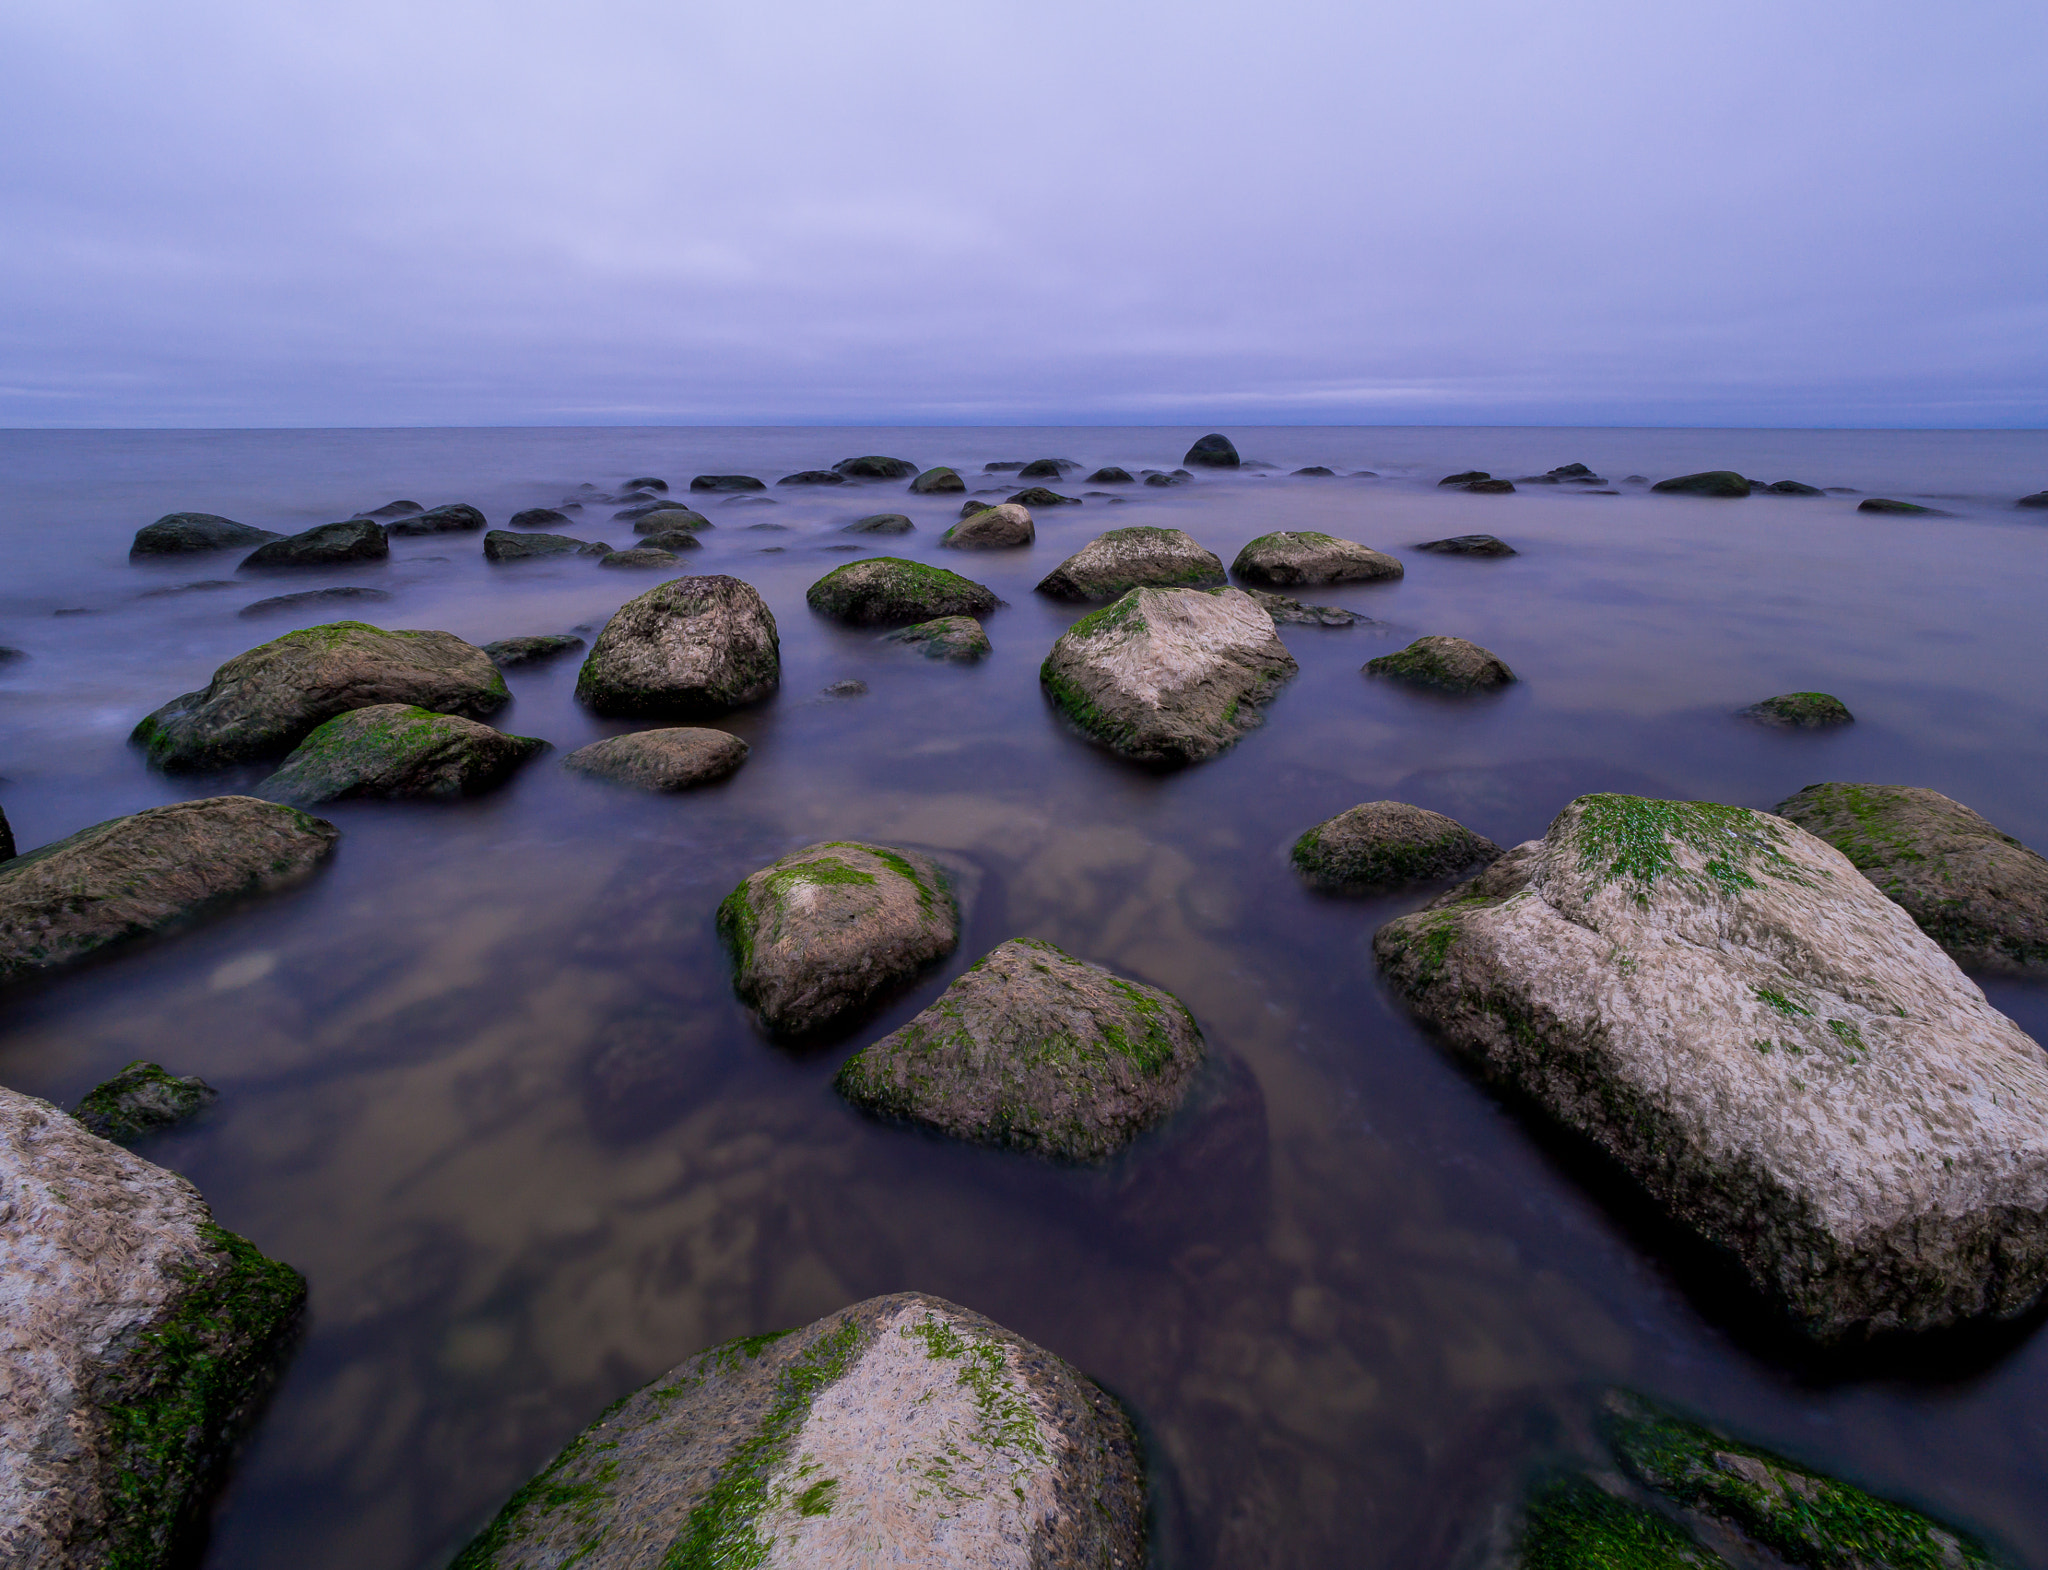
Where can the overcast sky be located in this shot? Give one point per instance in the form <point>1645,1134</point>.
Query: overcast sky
<point>400,212</point>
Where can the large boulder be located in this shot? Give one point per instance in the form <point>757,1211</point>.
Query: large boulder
<point>884,589</point>
<point>1037,1050</point>
<point>687,647</point>
<point>1721,1003</point>
<point>960,639</point>
<point>263,702</point>
<point>1168,676</point>
<point>1140,557</point>
<point>143,1098</point>
<point>1213,451</point>
<point>1710,482</point>
<point>1448,664</point>
<point>825,931</point>
<point>453,518</point>
<point>1974,889</point>
<point>393,750</point>
<point>1292,557</point>
<point>146,872</point>
<point>874,467</point>
<point>328,545</point>
<point>904,1430</point>
<point>1385,844</point>
<point>502,545</point>
<point>679,757</point>
<point>187,533</point>
<point>938,482</point>
<point>140,1337</point>
<point>1000,528</point>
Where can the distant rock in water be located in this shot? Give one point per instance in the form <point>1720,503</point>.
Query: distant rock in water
<point>671,542</point>
<point>1710,482</point>
<point>1385,845</point>
<point>508,653</point>
<point>455,518</point>
<point>186,533</point>
<point>876,468</point>
<point>329,545</point>
<point>502,545</point>
<point>1465,477</point>
<point>1039,496</point>
<point>813,477</point>
<point>959,639</point>
<point>880,523</point>
<point>397,509</point>
<point>1800,711</point>
<point>646,482</point>
<point>642,557</point>
<point>679,758</point>
<point>1160,479</point>
<point>1111,475</point>
<point>537,518</point>
<point>1292,613</point>
<point>1003,466</point>
<point>1315,471</point>
<point>1451,664</point>
<point>885,589</point>
<point>1213,451</point>
<point>938,482</point>
<point>394,750</point>
<point>309,598</point>
<point>845,689</point>
<point>688,647</point>
<point>1047,469</point>
<point>1468,545</point>
<point>1489,487</point>
<point>671,519</point>
<point>1289,558</point>
<point>1887,505</point>
<point>1793,488</point>
<point>2038,499</point>
<point>726,482</point>
<point>1000,528</point>
<point>142,1099</point>
<point>1123,559</point>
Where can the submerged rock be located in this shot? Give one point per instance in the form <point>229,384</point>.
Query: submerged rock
<point>2038,499</point>
<point>726,482</point>
<point>1292,613</point>
<point>1572,1523</point>
<point>1793,488</point>
<point>646,482</point>
<point>1047,469</point>
<point>1489,487</point>
<point>397,509</point>
<point>886,589</point>
<point>956,638</point>
<point>671,520</point>
<point>1451,664</point>
<point>679,758</point>
<point>263,702</point>
<point>1975,890</point>
<point>1213,451</point>
<point>1385,844</point>
<point>1885,504</point>
<point>307,598</point>
<point>1039,496</point>
<point>641,557</point>
<point>141,1099</point>
<point>827,930</point>
<point>880,523</point>
<point>874,467</point>
<point>1036,1050</point>
<point>1710,482</point>
<point>1465,477</point>
<point>509,652</point>
<point>1169,676</point>
<point>391,750</point>
<point>501,545</point>
<point>1162,479</point>
<point>687,647</point>
<point>848,688</point>
<point>1468,545</point>
<point>141,1338</point>
<point>1799,711</point>
<point>1000,528</point>
<point>1315,471</point>
<point>186,533</point>
<point>1124,559</point>
<point>537,518</point>
<point>938,482</point>
<point>904,1430</point>
<point>1110,474</point>
<point>146,872</point>
<point>813,477</point>
<point>1782,1059</point>
<point>672,544</point>
<point>454,518</point>
<point>1288,558</point>
<point>353,539</point>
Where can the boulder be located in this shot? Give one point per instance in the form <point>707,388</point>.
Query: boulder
<point>1168,676</point>
<point>1569,1522</point>
<point>509,652</point>
<point>1158,477</point>
<point>1711,482</point>
<point>146,872</point>
<point>671,542</point>
<point>956,638</point>
<point>1290,557</point>
<point>353,539</point>
<point>1799,711</point>
<point>1039,496</point>
<point>185,533</point>
<point>678,758</point>
<point>1111,475</point>
<point>813,477</point>
<point>141,1099</point>
<point>938,482</point>
<point>1047,469</point>
<point>1975,890</point>
<point>1003,466</point>
<point>641,557</point>
<point>1783,1060</point>
<point>1468,545</point>
<point>141,1337</point>
<point>646,482</point>
<point>395,750</point>
<point>1315,471</point>
<point>1213,451</point>
<point>886,589</point>
<point>2038,499</point>
<point>308,599</point>
<point>1793,488</point>
<point>670,520</point>
<point>397,509</point>
<point>726,482</point>
<point>1292,613</point>
<point>1489,487</point>
<point>691,646</point>
<point>454,518</point>
<point>1451,664</point>
<point>1000,528</point>
<point>1035,1050</point>
<point>876,468</point>
<point>904,1430</point>
<point>880,523</point>
<point>1465,477</point>
<point>1386,844</point>
<point>502,545</point>
<point>538,518</point>
<point>821,934</point>
<point>1884,504</point>
<point>263,702</point>
<point>1124,559</point>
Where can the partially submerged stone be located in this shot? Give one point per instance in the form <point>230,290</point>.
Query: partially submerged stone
<point>1709,482</point>
<point>1450,664</point>
<point>904,1430</point>
<point>1789,1066</point>
<point>1110,474</point>
<point>1124,559</point>
<point>1886,504</point>
<point>1047,469</point>
<point>813,477</point>
<point>1572,1523</point>
<point>938,482</point>
<point>679,757</point>
<point>880,523</point>
<point>507,653</point>
<point>641,558</point>
<point>187,533</point>
<point>328,545</point>
<point>1793,488</point>
<point>146,872</point>
<point>1291,557</point>
<point>1800,711</point>
<point>306,599</point>
<point>1213,451</point>
<point>2038,499</point>
<point>1036,1050</point>
<point>140,1338</point>
<point>687,647</point>
<point>143,1098</point>
<point>1468,545</point>
<point>402,508</point>
<point>960,639</point>
<point>671,544</point>
<point>1465,477</point>
<point>885,589</point>
<point>1004,527</point>
<point>1170,676</point>
<point>263,702</point>
<point>726,482</point>
<point>453,518</point>
<point>669,519</point>
<point>1975,890</point>
<point>1489,487</point>
<point>393,750</point>
<point>827,930</point>
<point>1039,496</point>
<point>502,545</point>
<point>537,518</point>
<point>875,467</point>
<point>1385,844</point>
<point>1292,613</point>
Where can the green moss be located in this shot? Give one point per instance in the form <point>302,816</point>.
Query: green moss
<point>1121,613</point>
<point>1003,1422</point>
<point>140,1099</point>
<point>1572,1524</point>
<point>1631,837</point>
<point>1847,1033</point>
<point>1069,698</point>
<point>1807,710</point>
<point>1781,1003</point>
<point>738,922</point>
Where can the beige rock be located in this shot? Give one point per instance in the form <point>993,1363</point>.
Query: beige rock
<point>1006,526</point>
<point>676,758</point>
<point>1124,559</point>
<point>1289,558</point>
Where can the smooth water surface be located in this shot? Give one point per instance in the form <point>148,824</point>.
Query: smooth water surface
<point>485,1083</point>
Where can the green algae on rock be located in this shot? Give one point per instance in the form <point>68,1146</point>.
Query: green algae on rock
<point>502,545</point>
<point>507,653</point>
<point>901,1430</point>
<point>960,639</point>
<point>1571,1523</point>
<point>397,750</point>
<point>141,1099</point>
<point>1139,557</point>
<point>688,647</point>
<point>1293,557</point>
<point>678,758</point>
<point>1800,711</point>
<point>1036,1050</point>
<point>1709,482</point>
<point>1384,844</point>
<point>884,589</point>
<point>1451,664</point>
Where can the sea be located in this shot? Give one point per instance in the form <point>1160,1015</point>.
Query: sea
<point>485,1082</point>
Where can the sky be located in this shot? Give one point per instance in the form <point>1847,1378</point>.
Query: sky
<point>622,212</point>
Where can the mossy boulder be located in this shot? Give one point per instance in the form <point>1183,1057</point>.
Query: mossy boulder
<point>1292,557</point>
<point>880,523</point>
<point>1001,528</point>
<point>1036,1050</point>
<point>502,545</point>
<point>885,589</point>
<point>142,1338</point>
<point>727,482</point>
<point>1213,451</point>
<point>141,1099</point>
<point>328,545</point>
<point>1885,504</point>
<point>1709,482</point>
<point>1467,545</point>
<point>508,653</point>
<point>1386,844</point>
<point>1114,563</point>
<point>688,647</point>
<point>1788,1066</point>
<point>938,482</point>
<point>876,467</point>
<point>1793,488</point>
<point>1572,1523</point>
<point>188,533</point>
<point>453,518</point>
<point>1168,676</point>
<point>262,702</point>
<point>1447,664</point>
<point>959,639</point>
<point>821,934</point>
<point>680,757</point>
<point>394,750</point>
<point>1974,889</point>
<point>147,872</point>
<point>1800,711</point>
<point>670,519</point>
<point>672,544</point>
<point>904,1430</point>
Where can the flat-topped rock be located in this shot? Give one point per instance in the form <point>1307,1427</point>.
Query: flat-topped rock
<point>1213,451</point>
<point>143,1098</point>
<point>813,477</point>
<point>688,647</point>
<point>188,533</point>
<point>1004,527</point>
<point>885,589</point>
<point>938,482</point>
<point>1709,482</point>
<point>727,482</point>
<point>502,545</point>
<point>508,653</point>
<point>1114,563</point>
<point>1885,504</point>
<point>1467,545</point>
<point>960,639</point>
<point>1785,1062</point>
<point>1291,557</point>
<point>680,757</point>
<point>1385,845</point>
<point>1448,664</point>
<point>328,545</point>
<point>875,467</point>
<point>1800,711</point>
<point>454,518</point>
<point>396,750</point>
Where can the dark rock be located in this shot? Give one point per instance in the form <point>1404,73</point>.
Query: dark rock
<point>876,468</point>
<point>938,482</point>
<point>394,750</point>
<point>203,586</point>
<point>1213,451</point>
<point>1111,475</point>
<point>1887,505</point>
<point>1316,471</point>
<point>634,512</point>
<point>671,519</point>
<point>1364,474</point>
<point>1035,1050</point>
<point>813,477</point>
<point>1289,558</point>
<point>880,523</point>
<point>1468,545</point>
<point>509,652</point>
<point>1841,490</point>
<point>7,838</point>
<point>76,610</point>
<point>642,556</point>
<point>674,540</point>
<point>1465,477</point>
<point>886,589</point>
<point>502,545</point>
<point>1161,479</point>
<point>311,597</point>
<point>646,482</point>
<point>537,518</point>
<point>183,533</point>
<point>455,518</point>
<point>397,509</point>
<point>1047,469</point>
<point>1800,711</point>
<point>355,539</point>
<point>959,639</point>
<point>1385,845</point>
<point>1007,466</point>
<point>844,689</point>
<point>1794,488</point>
<point>1489,487</point>
<point>679,758</point>
<point>767,528</point>
<point>726,482</point>
<point>1448,663</point>
<point>1292,613</point>
<point>141,1099</point>
<point>2038,499</point>
<point>1039,496</point>
<point>691,646</point>
<point>1575,471</point>
<point>1711,482</point>
<point>1125,559</point>
<point>1007,527</point>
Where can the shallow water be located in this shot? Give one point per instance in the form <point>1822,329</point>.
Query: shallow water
<point>485,1083</point>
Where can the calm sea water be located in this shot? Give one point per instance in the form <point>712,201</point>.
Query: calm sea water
<point>484,1081</point>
